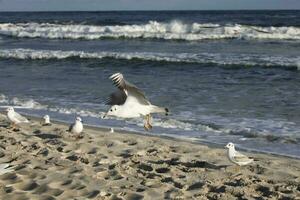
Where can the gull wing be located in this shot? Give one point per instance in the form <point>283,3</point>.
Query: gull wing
<point>241,157</point>
<point>117,98</point>
<point>71,127</point>
<point>20,118</point>
<point>129,89</point>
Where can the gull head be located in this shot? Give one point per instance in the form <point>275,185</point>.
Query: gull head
<point>229,145</point>
<point>78,119</point>
<point>10,109</point>
<point>113,111</point>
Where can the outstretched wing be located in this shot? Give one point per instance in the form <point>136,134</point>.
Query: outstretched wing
<point>129,89</point>
<point>20,118</point>
<point>116,98</point>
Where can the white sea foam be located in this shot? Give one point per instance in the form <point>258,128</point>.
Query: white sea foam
<point>174,30</point>
<point>298,65</point>
<point>21,103</point>
<point>221,59</point>
<point>248,128</point>
<point>3,99</point>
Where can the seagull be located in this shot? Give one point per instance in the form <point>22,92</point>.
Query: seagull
<point>130,102</point>
<point>15,117</point>
<point>47,120</point>
<point>77,126</point>
<point>236,157</point>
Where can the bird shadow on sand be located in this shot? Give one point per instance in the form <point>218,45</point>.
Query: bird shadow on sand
<point>4,125</point>
<point>47,136</point>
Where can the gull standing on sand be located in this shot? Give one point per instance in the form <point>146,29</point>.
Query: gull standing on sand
<point>77,126</point>
<point>236,157</point>
<point>15,117</point>
<point>47,120</point>
<point>130,102</point>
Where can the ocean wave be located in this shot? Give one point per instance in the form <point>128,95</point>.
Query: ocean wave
<point>21,103</point>
<point>174,30</point>
<point>201,58</point>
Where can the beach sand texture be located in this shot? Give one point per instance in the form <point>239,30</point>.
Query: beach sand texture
<point>50,163</point>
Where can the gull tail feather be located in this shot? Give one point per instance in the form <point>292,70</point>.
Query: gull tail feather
<point>157,109</point>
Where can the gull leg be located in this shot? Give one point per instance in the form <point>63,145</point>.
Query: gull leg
<point>12,126</point>
<point>237,168</point>
<point>149,121</point>
<point>146,124</point>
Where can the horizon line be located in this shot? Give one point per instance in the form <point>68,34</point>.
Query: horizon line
<point>149,10</point>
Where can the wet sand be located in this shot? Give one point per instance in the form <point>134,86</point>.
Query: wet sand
<point>50,163</point>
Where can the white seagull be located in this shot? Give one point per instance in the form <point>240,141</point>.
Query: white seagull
<point>130,102</point>
<point>77,126</point>
<point>15,117</point>
<point>236,157</point>
<point>47,120</point>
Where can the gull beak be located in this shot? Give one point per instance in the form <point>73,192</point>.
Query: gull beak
<point>104,116</point>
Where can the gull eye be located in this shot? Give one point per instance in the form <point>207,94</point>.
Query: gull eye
<point>111,110</point>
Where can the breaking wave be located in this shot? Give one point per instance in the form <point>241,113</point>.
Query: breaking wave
<point>174,30</point>
<point>216,58</point>
<point>21,103</point>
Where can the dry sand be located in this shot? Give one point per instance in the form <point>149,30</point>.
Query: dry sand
<point>51,163</point>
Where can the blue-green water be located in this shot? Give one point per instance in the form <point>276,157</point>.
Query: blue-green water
<point>227,76</point>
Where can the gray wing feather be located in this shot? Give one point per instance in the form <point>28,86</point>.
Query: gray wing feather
<point>129,88</point>
<point>71,127</point>
<point>116,98</point>
<point>241,157</point>
<point>20,117</point>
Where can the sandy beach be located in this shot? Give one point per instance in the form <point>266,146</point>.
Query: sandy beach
<point>50,163</point>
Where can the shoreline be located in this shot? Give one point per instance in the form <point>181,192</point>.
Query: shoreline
<point>50,163</point>
<point>194,141</point>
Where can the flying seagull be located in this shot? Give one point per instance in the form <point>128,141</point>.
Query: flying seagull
<point>15,117</point>
<point>130,102</point>
<point>236,157</point>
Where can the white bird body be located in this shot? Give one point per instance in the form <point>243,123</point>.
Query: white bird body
<point>236,157</point>
<point>136,109</point>
<point>15,117</point>
<point>77,127</point>
<point>47,120</point>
